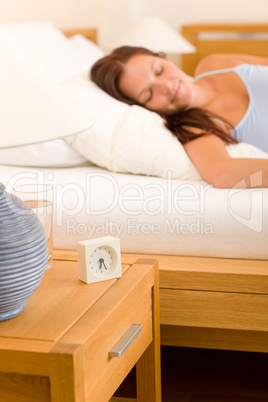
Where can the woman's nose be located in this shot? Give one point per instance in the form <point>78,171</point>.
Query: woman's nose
<point>169,88</point>
<point>164,85</point>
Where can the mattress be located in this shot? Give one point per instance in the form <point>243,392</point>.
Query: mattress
<point>151,214</point>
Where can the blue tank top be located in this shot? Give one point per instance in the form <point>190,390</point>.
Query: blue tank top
<point>253,127</point>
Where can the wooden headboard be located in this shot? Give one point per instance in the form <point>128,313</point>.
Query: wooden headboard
<point>89,33</point>
<point>223,38</point>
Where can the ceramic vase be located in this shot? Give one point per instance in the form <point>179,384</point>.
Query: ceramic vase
<point>23,254</point>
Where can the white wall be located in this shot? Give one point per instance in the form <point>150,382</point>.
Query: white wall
<point>178,12</point>
<point>112,16</point>
<point>63,13</point>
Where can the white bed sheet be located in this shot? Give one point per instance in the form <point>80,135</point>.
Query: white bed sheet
<point>152,215</point>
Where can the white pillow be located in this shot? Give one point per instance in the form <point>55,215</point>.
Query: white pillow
<point>33,107</point>
<point>88,51</point>
<point>243,150</point>
<point>48,48</point>
<point>107,111</point>
<point>38,55</point>
<point>56,153</point>
<point>126,138</point>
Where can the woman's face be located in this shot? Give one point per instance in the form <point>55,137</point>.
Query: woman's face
<point>156,84</point>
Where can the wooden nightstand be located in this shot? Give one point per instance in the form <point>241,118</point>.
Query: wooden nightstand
<point>58,348</point>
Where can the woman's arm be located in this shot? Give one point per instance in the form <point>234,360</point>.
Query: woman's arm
<point>221,61</point>
<point>209,155</point>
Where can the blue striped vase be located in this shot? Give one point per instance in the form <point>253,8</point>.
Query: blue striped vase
<point>23,254</point>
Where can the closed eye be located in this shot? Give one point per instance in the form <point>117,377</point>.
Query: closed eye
<point>150,97</point>
<point>146,96</point>
<point>159,71</point>
<point>156,69</point>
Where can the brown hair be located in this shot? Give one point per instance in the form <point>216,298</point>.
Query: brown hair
<point>106,73</point>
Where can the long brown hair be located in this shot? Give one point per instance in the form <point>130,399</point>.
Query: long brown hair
<point>106,73</point>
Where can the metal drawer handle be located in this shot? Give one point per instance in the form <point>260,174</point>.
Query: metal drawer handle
<point>121,346</point>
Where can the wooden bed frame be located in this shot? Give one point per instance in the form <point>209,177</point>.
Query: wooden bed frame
<point>223,38</point>
<point>215,303</point>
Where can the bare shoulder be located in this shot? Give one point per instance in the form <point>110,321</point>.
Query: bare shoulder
<point>222,61</point>
<point>216,62</point>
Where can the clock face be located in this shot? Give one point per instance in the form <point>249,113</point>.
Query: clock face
<point>101,261</point>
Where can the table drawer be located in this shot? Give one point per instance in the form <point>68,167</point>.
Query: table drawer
<point>129,303</point>
<point>108,372</point>
<point>226,310</point>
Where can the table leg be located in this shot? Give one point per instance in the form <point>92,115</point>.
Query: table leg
<point>148,367</point>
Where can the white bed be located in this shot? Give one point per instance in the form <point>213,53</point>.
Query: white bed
<point>128,176</point>
<point>152,215</point>
<point>158,203</point>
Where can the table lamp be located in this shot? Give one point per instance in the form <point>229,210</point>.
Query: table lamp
<point>155,35</point>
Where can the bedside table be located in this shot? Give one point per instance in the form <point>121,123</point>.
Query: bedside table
<point>61,348</point>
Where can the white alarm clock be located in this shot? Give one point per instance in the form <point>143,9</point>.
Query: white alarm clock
<point>99,259</point>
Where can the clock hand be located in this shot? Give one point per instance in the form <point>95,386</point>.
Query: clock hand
<point>105,265</point>
<point>101,260</point>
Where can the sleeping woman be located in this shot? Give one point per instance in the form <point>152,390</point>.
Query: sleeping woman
<point>226,103</point>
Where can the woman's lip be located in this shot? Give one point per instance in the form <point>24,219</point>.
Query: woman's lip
<point>176,94</point>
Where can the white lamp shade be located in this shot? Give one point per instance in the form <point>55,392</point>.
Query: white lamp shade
<point>155,35</point>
